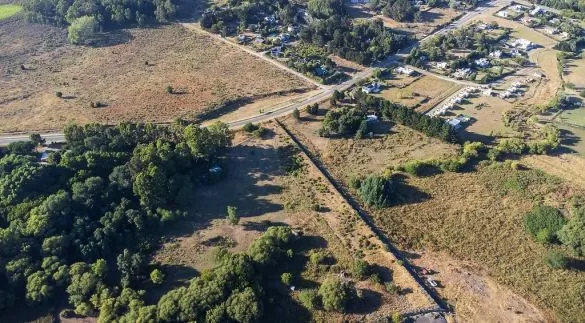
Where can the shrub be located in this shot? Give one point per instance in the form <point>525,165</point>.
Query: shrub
<point>82,30</point>
<point>286,278</point>
<point>249,127</point>
<point>362,131</point>
<point>543,223</point>
<point>392,288</point>
<point>169,89</point>
<point>556,260</point>
<point>59,94</point>
<point>396,318</point>
<point>376,191</point>
<point>573,233</point>
<point>232,215</point>
<point>318,257</point>
<point>157,276</point>
<point>296,114</point>
<point>335,294</point>
<point>309,298</point>
<point>413,167</point>
<point>355,182</point>
<point>312,109</point>
<point>258,133</point>
<point>582,94</point>
<point>361,268</point>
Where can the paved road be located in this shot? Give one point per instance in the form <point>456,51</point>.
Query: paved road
<point>326,91</point>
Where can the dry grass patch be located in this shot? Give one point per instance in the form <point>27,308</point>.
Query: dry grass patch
<point>421,93</point>
<point>129,79</point>
<point>479,217</point>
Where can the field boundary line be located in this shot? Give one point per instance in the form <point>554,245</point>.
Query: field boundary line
<point>429,293</point>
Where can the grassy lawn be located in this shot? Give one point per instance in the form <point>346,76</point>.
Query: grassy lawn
<point>9,10</point>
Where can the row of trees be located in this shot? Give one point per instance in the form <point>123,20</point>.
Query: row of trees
<point>84,223</point>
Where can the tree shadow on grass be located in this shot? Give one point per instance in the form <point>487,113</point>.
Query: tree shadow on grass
<point>261,226</point>
<point>369,302</point>
<point>407,194</point>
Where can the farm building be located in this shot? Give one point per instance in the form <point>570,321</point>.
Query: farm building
<point>404,70</point>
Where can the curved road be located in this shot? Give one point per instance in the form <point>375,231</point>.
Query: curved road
<point>326,91</point>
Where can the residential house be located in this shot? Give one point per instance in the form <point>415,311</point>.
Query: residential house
<point>482,62</point>
<point>503,14</point>
<point>442,65</point>
<point>404,70</point>
<point>373,87</point>
<point>522,44</point>
<point>496,54</point>
<point>537,11</point>
<point>462,73</point>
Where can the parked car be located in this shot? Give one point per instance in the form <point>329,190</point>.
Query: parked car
<point>432,282</point>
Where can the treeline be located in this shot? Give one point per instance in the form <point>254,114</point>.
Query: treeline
<point>571,5</point>
<point>351,121</point>
<point>83,223</point>
<point>363,43</point>
<point>432,127</point>
<point>108,13</point>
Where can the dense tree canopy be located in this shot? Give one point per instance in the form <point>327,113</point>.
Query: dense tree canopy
<point>107,13</point>
<point>88,218</point>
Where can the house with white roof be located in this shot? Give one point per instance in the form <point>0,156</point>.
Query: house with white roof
<point>404,70</point>
<point>482,62</point>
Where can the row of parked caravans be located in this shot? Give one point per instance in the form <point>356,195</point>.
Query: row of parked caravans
<point>464,94</point>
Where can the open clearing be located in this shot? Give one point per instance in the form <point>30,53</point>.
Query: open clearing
<point>202,72</point>
<point>476,217</point>
<point>486,112</point>
<point>258,185</point>
<point>9,10</point>
<point>421,93</point>
<point>575,71</point>
<point>466,285</point>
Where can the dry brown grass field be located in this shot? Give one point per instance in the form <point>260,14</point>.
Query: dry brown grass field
<point>422,93</point>
<point>476,218</point>
<point>266,195</point>
<point>202,72</point>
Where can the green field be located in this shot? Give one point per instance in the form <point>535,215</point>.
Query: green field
<point>9,10</point>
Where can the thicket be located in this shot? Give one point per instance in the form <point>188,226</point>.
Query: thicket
<point>543,223</point>
<point>573,233</point>
<point>83,224</point>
